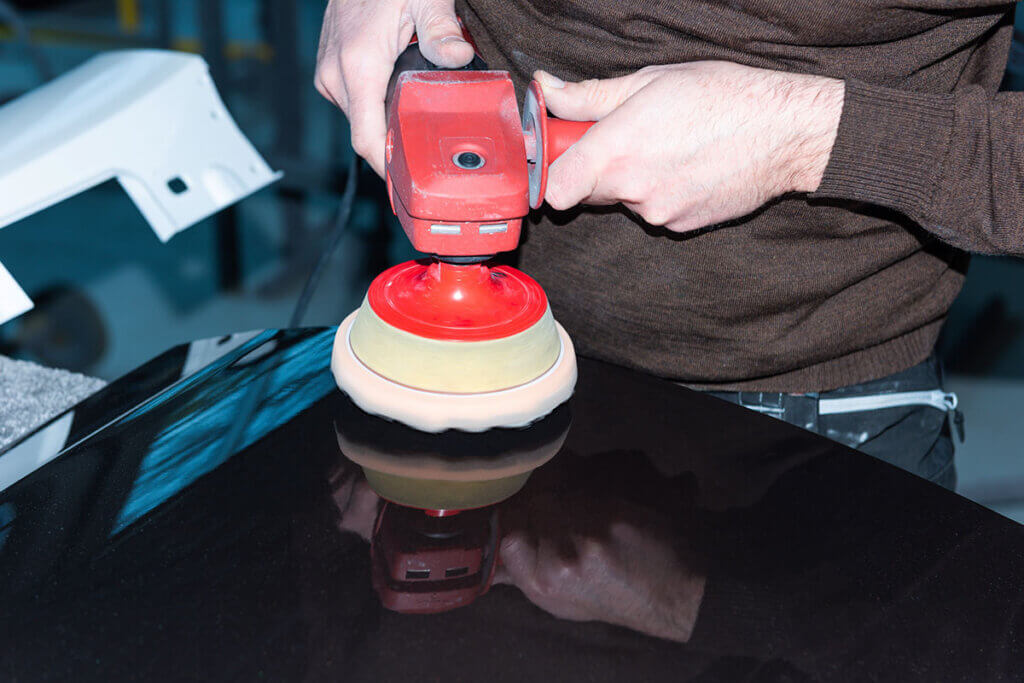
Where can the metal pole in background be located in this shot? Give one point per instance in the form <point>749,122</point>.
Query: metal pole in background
<point>211,38</point>
<point>281,23</point>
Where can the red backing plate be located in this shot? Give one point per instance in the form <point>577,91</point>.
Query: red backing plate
<point>459,303</point>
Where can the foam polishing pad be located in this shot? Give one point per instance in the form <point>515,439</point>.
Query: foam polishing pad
<point>440,346</point>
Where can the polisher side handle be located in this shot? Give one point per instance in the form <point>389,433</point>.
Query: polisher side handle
<point>564,134</point>
<point>546,139</point>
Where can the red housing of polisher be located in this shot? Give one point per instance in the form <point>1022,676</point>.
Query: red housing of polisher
<point>424,564</point>
<point>463,168</point>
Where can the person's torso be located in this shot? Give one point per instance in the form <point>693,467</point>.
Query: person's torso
<point>795,286</point>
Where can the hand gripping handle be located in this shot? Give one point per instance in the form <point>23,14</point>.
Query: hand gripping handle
<point>546,139</point>
<point>412,59</point>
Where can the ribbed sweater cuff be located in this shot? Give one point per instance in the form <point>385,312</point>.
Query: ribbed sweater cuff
<point>889,148</point>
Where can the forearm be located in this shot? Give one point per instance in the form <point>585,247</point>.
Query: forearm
<point>814,106</point>
<point>952,163</point>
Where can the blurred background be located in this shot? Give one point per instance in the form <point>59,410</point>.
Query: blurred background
<point>109,295</point>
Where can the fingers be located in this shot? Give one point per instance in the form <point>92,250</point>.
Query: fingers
<point>361,512</point>
<point>598,171</point>
<point>501,577</point>
<point>587,172</point>
<point>518,559</point>
<point>439,33</point>
<point>358,47</point>
<point>359,43</point>
<point>573,177</point>
<point>366,117</point>
<point>589,100</point>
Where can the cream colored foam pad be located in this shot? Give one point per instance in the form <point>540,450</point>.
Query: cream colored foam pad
<point>431,411</point>
<point>436,483</point>
<point>462,367</point>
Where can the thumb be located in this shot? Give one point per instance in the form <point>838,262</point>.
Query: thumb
<point>440,34</point>
<point>589,100</point>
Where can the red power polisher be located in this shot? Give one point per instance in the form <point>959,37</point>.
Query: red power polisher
<point>449,341</point>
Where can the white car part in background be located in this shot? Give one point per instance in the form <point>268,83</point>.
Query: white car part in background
<point>150,118</point>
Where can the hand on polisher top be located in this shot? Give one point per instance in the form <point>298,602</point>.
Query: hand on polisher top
<point>690,145</point>
<point>359,43</point>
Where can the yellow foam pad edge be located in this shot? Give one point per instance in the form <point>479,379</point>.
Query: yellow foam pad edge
<point>461,367</point>
<point>434,411</point>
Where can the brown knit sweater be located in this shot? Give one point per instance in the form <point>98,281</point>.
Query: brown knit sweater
<point>813,292</point>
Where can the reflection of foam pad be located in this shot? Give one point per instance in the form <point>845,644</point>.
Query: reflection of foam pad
<point>452,470</point>
<point>432,411</point>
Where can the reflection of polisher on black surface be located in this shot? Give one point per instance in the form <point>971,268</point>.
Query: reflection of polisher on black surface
<point>452,342</point>
<point>434,543</point>
<point>448,471</point>
<point>424,564</point>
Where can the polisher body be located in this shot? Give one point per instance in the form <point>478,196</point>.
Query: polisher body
<point>447,207</point>
<point>463,168</point>
<point>453,343</point>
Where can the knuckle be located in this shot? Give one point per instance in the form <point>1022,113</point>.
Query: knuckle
<point>361,142</point>
<point>634,189</point>
<point>438,22</point>
<point>594,551</point>
<point>594,92</point>
<point>558,197</point>
<point>353,60</point>
<point>328,76</point>
<point>554,199</point>
<point>548,581</point>
<point>655,213</point>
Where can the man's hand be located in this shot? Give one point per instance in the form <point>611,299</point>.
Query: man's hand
<point>356,502</point>
<point>587,560</point>
<point>359,43</point>
<point>691,145</point>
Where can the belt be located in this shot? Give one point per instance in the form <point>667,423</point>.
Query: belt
<point>804,410</point>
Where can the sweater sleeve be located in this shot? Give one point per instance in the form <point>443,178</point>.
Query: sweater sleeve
<point>952,163</point>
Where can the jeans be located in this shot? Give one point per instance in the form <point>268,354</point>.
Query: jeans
<point>915,438</point>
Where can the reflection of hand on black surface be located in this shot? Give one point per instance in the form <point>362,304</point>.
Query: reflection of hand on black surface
<point>600,560</point>
<point>356,502</point>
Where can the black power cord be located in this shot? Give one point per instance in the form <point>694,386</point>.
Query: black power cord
<point>339,230</point>
<point>251,399</point>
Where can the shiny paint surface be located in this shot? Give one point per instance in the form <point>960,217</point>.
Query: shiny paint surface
<point>198,527</point>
